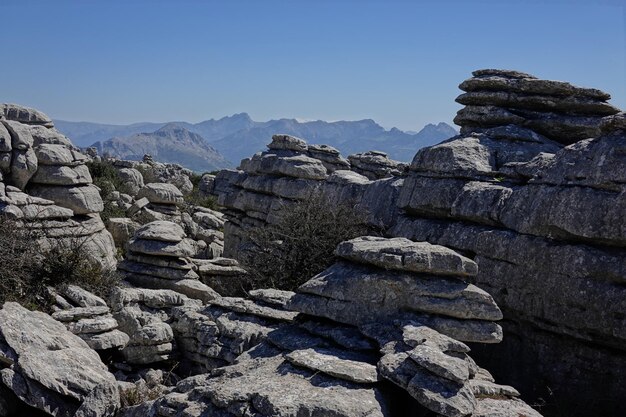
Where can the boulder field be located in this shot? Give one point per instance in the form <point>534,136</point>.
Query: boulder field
<point>500,256</point>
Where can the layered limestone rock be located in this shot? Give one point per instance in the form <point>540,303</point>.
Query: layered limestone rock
<point>339,361</point>
<point>51,369</point>
<point>159,257</point>
<point>376,165</point>
<point>543,221</point>
<point>558,110</point>
<point>548,219</point>
<point>145,315</point>
<point>88,316</point>
<point>217,334</point>
<point>46,186</point>
<point>290,171</point>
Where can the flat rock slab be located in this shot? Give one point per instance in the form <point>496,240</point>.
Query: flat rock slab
<point>242,305</point>
<point>357,293</point>
<point>161,193</point>
<point>405,255</point>
<point>333,363</point>
<point>82,297</point>
<point>416,335</point>
<point>161,230</point>
<point>272,296</point>
<point>441,395</point>
<point>437,362</point>
<point>183,249</point>
<point>78,313</point>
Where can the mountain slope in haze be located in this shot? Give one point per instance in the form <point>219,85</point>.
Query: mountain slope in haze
<point>349,137</point>
<point>84,134</point>
<point>171,143</point>
<point>238,136</point>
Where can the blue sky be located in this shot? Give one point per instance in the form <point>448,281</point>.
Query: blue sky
<point>397,62</point>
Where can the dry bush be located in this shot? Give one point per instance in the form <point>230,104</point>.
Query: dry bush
<point>26,271</point>
<point>301,244</point>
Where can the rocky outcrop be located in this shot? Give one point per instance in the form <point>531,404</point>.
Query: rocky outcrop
<point>145,316</point>
<point>46,185</point>
<point>548,219</point>
<point>543,222</point>
<point>376,165</point>
<point>51,369</point>
<point>339,361</point>
<point>290,171</point>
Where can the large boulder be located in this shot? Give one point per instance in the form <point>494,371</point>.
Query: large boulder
<point>49,368</point>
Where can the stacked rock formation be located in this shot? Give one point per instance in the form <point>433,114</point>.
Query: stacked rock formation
<point>552,223</point>
<point>334,356</point>
<point>557,110</point>
<point>145,315</point>
<point>224,275</point>
<point>159,257</point>
<point>290,171</point>
<point>50,369</point>
<point>88,316</point>
<point>46,185</point>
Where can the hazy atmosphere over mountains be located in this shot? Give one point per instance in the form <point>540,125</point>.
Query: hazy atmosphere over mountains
<point>214,144</point>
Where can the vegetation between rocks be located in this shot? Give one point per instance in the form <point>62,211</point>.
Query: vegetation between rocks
<point>26,271</point>
<point>301,244</point>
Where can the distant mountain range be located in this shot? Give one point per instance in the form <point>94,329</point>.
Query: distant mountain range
<point>214,144</point>
<point>171,143</point>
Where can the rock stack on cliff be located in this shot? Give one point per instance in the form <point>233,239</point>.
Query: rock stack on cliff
<point>46,186</point>
<point>548,218</point>
<point>557,110</point>
<point>290,171</point>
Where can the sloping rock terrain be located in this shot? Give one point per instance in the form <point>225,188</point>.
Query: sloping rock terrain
<point>532,190</point>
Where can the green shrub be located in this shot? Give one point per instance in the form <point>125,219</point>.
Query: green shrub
<point>107,178</point>
<point>287,254</point>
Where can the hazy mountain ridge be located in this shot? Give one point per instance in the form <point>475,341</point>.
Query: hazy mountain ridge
<point>171,143</point>
<point>238,136</point>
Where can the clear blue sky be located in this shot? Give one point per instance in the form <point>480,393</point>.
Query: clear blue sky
<point>397,62</point>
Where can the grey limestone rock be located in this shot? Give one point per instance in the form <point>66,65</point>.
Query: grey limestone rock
<point>133,179</point>
<point>163,231</point>
<point>437,362</point>
<point>25,115</point>
<point>84,199</point>
<point>405,255</point>
<point>161,193</point>
<point>52,369</point>
<point>335,363</point>
<point>287,142</point>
